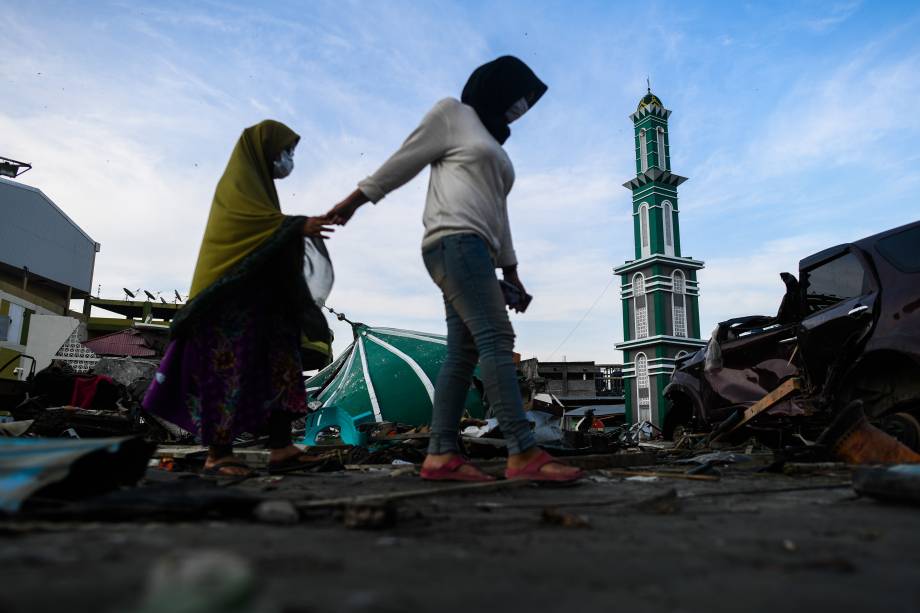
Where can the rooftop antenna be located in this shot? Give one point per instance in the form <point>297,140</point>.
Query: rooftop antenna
<point>128,293</point>
<point>150,296</point>
<point>178,297</point>
<point>163,300</point>
<point>12,168</point>
<point>648,84</point>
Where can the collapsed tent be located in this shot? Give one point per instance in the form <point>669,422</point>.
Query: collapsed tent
<point>386,374</point>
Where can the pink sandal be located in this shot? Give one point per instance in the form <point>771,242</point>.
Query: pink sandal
<point>532,471</point>
<point>451,472</point>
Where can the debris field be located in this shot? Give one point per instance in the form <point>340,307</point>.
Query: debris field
<point>376,538</point>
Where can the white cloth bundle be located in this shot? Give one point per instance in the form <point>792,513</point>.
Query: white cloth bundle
<point>317,269</point>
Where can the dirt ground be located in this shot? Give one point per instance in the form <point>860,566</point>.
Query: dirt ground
<point>719,546</point>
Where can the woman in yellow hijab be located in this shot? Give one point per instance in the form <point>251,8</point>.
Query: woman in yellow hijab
<point>239,347</point>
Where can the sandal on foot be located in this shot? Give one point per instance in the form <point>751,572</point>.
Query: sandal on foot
<point>215,470</point>
<point>533,471</point>
<point>450,471</point>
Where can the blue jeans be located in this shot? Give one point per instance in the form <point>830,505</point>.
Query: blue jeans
<point>478,328</point>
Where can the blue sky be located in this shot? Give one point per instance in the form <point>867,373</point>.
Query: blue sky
<point>796,123</point>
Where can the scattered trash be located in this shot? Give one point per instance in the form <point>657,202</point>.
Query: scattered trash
<point>15,428</point>
<point>795,469</point>
<point>852,439</point>
<point>717,458</point>
<point>663,504</point>
<point>65,469</point>
<point>481,429</point>
<point>565,519</point>
<point>375,516</point>
<point>640,432</point>
<point>277,512</point>
<point>642,478</point>
<point>705,470</point>
<point>547,428</point>
<point>900,483</point>
<point>409,469</point>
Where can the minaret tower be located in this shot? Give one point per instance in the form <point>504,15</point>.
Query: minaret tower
<point>659,290</point>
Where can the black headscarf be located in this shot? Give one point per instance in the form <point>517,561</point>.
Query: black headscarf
<point>494,87</point>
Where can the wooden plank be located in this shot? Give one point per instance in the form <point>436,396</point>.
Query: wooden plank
<point>430,492</point>
<point>789,387</point>
<point>406,436</point>
<point>660,475</point>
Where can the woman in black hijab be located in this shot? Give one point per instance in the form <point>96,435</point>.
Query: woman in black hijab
<point>496,87</point>
<point>468,236</point>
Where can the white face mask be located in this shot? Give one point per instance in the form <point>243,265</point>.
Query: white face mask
<point>283,166</point>
<point>517,109</point>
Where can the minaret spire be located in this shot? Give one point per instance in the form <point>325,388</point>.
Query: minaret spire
<point>659,288</point>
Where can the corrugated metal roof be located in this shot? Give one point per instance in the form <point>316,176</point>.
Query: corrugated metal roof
<point>37,234</point>
<point>127,343</point>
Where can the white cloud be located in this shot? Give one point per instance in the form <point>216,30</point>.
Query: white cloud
<point>837,14</point>
<point>749,284</point>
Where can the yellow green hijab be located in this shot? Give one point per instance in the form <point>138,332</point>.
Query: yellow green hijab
<point>246,232</point>
<point>245,211</point>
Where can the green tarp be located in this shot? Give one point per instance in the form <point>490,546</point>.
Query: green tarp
<point>386,374</point>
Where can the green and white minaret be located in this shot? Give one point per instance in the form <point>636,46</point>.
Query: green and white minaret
<point>659,289</point>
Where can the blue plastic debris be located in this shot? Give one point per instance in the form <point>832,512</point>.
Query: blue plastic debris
<point>899,483</point>
<point>68,468</point>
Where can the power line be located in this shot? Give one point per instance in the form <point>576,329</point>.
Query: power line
<point>583,317</point>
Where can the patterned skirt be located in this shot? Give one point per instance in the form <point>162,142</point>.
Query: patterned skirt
<point>229,373</point>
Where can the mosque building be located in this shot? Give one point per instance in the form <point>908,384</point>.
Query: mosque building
<point>659,288</point>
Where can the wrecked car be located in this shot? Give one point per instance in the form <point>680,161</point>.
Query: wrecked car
<point>848,327</point>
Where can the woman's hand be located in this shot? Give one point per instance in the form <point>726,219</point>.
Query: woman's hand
<point>511,276</point>
<point>317,226</point>
<point>341,213</point>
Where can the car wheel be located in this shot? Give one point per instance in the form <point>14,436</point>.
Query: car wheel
<point>677,421</point>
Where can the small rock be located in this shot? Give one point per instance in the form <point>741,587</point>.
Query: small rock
<point>277,512</point>
<point>204,581</point>
<point>565,519</point>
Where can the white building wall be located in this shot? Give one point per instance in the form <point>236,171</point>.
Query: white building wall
<point>47,333</point>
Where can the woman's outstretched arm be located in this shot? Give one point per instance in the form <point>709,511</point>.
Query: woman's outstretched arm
<point>342,212</point>
<point>427,143</point>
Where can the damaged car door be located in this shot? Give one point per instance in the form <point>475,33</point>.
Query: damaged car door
<point>839,297</point>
